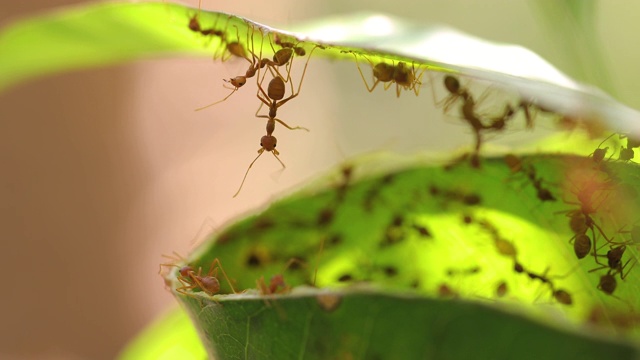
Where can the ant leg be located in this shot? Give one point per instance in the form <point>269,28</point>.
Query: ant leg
<point>219,266</point>
<point>366,84</point>
<point>304,71</point>
<point>418,82</point>
<point>284,101</point>
<point>622,274</point>
<point>247,172</point>
<point>289,127</point>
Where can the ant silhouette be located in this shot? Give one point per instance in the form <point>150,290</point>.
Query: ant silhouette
<point>516,165</point>
<point>469,115</point>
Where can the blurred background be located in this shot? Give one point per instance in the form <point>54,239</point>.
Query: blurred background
<point>105,170</point>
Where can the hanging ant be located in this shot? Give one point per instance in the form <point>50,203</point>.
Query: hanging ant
<point>240,80</point>
<point>234,48</point>
<point>274,99</point>
<point>400,74</point>
<point>468,111</point>
<point>288,45</point>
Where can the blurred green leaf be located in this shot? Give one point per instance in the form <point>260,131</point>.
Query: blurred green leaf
<point>172,336</point>
<point>100,34</point>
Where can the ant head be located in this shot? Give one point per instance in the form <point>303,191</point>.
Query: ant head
<point>268,142</point>
<point>185,271</point>
<point>452,84</point>
<point>300,51</point>
<point>194,24</point>
<point>237,81</point>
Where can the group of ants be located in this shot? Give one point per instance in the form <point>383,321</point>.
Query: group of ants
<point>582,221</point>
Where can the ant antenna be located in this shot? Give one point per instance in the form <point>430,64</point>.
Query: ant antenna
<point>275,153</point>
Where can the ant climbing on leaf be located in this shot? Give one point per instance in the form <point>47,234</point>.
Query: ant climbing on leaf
<point>277,284</point>
<point>209,283</point>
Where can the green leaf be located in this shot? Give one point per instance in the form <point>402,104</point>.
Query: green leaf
<point>94,35</point>
<point>101,34</point>
<point>172,336</point>
<point>493,232</point>
<point>316,324</point>
<point>434,231</point>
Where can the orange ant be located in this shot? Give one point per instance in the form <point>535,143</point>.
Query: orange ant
<point>239,81</point>
<point>234,48</point>
<point>400,74</point>
<point>273,98</point>
<point>289,45</point>
<point>277,285</point>
<point>192,281</point>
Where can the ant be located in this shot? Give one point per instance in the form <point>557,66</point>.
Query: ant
<point>516,165</point>
<point>457,91</point>
<point>469,199</point>
<point>240,80</point>
<point>209,283</point>
<point>234,48</point>
<point>502,289</point>
<point>400,74</point>
<point>289,45</point>
<point>614,261</point>
<point>273,98</point>
<point>504,247</point>
<point>627,153</point>
<point>277,285</point>
<point>560,295</point>
<point>581,219</point>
